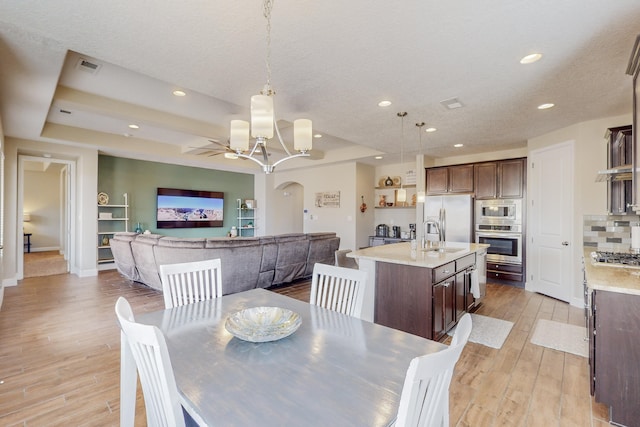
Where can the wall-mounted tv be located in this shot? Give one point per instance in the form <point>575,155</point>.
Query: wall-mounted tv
<point>189,208</point>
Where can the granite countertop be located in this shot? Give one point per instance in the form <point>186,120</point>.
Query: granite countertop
<point>609,277</point>
<point>401,253</point>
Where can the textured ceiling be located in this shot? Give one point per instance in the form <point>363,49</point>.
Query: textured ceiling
<point>331,62</point>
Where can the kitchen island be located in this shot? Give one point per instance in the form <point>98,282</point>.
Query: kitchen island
<point>423,292</point>
<point>613,294</point>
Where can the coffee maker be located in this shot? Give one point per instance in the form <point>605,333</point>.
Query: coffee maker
<point>396,232</point>
<point>412,231</point>
<point>382,230</point>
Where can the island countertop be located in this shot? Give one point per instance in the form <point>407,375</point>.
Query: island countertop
<point>613,278</point>
<point>401,253</point>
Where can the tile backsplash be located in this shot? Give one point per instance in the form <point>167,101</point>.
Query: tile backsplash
<point>608,232</point>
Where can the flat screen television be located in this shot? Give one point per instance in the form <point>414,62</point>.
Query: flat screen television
<point>189,208</point>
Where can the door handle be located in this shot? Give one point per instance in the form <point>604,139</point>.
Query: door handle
<point>565,243</point>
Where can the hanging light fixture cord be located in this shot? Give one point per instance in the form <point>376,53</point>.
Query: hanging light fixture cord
<point>420,194</point>
<point>402,115</point>
<point>402,194</point>
<point>419,125</point>
<point>268,5</point>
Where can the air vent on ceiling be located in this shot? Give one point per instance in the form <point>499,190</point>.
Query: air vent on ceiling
<point>88,66</point>
<point>65,111</point>
<point>452,103</point>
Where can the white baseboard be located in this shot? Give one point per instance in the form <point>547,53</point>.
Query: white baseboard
<point>10,282</point>
<point>87,273</point>
<point>45,249</point>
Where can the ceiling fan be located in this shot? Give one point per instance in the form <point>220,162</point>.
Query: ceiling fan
<point>214,148</point>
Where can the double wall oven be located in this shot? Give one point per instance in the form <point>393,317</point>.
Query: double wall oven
<point>499,225</point>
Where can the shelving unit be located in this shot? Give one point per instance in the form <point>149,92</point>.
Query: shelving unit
<point>119,221</point>
<point>246,219</point>
<point>389,190</point>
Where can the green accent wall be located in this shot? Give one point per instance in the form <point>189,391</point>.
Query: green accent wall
<point>141,179</point>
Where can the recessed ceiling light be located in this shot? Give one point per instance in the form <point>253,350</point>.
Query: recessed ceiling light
<point>545,106</point>
<point>46,155</point>
<point>458,145</point>
<point>530,59</point>
<point>317,135</point>
<point>132,126</point>
<point>232,156</point>
<point>384,103</point>
<point>179,93</point>
<point>126,135</point>
<point>430,130</point>
<point>378,157</point>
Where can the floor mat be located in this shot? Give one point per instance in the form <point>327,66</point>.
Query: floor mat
<point>488,330</point>
<point>561,336</point>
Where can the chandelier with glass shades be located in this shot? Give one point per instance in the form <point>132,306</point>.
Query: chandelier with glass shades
<point>263,121</point>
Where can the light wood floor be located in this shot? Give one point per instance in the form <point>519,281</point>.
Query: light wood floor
<point>60,358</point>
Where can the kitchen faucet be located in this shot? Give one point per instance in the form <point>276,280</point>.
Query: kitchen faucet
<point>438,228</point>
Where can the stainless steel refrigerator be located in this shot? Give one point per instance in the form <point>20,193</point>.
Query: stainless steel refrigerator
<point>457,213</point>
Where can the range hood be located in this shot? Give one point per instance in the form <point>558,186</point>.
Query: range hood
<point>619,173</point>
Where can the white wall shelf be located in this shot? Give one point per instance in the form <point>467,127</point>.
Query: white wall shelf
<point>107,227</point>
<point>246,219</point>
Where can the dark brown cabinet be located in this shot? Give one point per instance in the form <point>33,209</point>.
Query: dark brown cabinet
<point>614,352</point>
<point>620,157</point>
<point>423,301</point>
<point>444,307</point>
<point>504,179</point>
<point>503,271</point>
<point>450,179</point>
<point>464,298</point>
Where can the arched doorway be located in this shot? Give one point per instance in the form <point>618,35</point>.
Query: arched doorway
<point>287,206</point>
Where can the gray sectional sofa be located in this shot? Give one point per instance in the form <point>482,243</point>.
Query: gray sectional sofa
<point>247,262</point>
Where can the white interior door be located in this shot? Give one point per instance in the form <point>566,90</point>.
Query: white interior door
<point>549,216</point>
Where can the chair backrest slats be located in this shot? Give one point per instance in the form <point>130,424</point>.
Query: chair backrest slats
<point>189,282</point>
<point>424,400</point>
<point>338,288</point>
<point>151,355</point>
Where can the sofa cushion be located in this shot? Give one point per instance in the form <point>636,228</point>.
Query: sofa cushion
<point>322,248</point>
<point>293,251</point>
<point>146,265</point>
<point>268,263</point>
<point>236,242</point>
<point>125,236</point>
<point>123,256</point>
<point>239,265</point>
<point>182,242</point>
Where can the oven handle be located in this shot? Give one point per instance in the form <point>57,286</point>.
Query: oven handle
<point>500,234</point>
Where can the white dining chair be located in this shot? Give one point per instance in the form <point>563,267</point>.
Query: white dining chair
<point>338,288</point>
<point>149,350</point>
<point>425,395</point>
<point>190,282</point>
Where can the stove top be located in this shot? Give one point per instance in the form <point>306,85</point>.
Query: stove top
<point>620,258</point>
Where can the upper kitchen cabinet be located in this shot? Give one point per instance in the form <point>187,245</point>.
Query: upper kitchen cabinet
<point>450,179</point>
<point>633,69</point>
<point>504,179</point>
<point>619,172</point>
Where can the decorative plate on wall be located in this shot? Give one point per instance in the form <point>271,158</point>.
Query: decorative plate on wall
<point>103,198</point>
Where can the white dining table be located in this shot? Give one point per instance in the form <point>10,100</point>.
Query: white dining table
<point>335,370</point>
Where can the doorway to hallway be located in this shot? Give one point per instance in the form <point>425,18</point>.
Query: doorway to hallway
<point>45,214</point>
